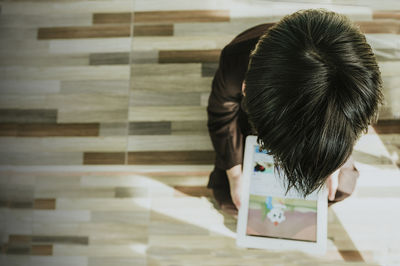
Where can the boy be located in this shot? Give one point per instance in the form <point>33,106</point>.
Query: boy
<point>308,87</point>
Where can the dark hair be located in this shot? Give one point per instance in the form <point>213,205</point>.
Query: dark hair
<point>311,88</point>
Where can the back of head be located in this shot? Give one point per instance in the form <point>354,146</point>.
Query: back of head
<point>311,88</point>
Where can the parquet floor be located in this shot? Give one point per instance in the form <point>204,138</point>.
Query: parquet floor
<point>104,150</point>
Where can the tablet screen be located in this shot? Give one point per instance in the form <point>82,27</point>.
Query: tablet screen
<point>273,214</point>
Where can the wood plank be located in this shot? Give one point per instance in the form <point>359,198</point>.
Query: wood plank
<point>386,14</point>
<point>171,157</point>
<point>208,69</point>
<point>34,21</point>
<point>92,116</point>
<point>38,158</point>
<point>49,129</point>
<point>113,129</point>
<point>98,31</point>
<point>91,45</point>
<point>188,56</point>
<point>149,43</point>
<point>380,26</point>
<point>44,204</point>
<point>167,113</point>
<point>189,128</point>
<point>8,115</point>
<point>42,250</point>
<point>387,126</point>
<point>16,250</point>
<point>65,8</point>
<point>153,30</point>
<point>78,101</point>
<point>168,16</point>
<point>29,239</point>
<point>116,72</point>
<point>30,87</point>
<point>80,240</point>
<point>172,83</point>
<point>169,143</point>
<point>192,191</point>
<point>19,239</point>
<point>176,16</point>
<point>149,128</point>
<point>131,192</point>
<point>95,87</point>
<point>160,98</point>
<point>63,144</point>
<point>155,70</point>
<point>103,158</point>
<point>119,58</point>
<point>112,18</point>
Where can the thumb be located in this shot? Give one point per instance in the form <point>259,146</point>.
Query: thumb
<point>333,184</point>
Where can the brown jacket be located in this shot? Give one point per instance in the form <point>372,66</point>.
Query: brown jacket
<point>228,123</point>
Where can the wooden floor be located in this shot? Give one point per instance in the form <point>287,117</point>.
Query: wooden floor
<point>104,150</point>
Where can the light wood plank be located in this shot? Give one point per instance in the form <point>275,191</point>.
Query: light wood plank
<point>169,143</point>
<point>66,73</point>
<point>38,158</point>
<point>91,116</point>
<point>75,7</point>
<point>171,83</point>
<point>169,113</point>
<point>62,144</point>
<point>29,87</point>
<point>180,42</point>
<point>98,45</point>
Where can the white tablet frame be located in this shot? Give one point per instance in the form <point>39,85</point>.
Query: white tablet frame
<point>244,240</point>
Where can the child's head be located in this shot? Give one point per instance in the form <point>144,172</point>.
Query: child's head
<point>312,87</point>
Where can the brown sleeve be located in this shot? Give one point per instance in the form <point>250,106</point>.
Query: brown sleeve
<point>222,110</point>
<point>347,181</point>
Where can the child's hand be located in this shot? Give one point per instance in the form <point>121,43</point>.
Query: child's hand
<point>235,183</point>
<point>333,182</point>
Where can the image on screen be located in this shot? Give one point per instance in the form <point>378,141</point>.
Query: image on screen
<point>273,214</point>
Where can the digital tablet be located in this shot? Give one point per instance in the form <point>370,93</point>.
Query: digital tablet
<point>270,219</point>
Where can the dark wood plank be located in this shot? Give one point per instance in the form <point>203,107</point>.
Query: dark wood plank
<point>189,128</point>
<point>351,255</point>
<point>104,158</point>
<point>28,115</point>
<point>20,204</point>
<point>149,128</point>
<point>121,58</point>
<point>45,204</point>
<point>188,56</point>
<point>209,69</point>
<point>387,126</point>
<point>29,239</point>
<point>175,16</point>
<point>172,16</point>
<point>388,14</point>
<point>79,240</point>
<point>8,129</point>
<point>49,129</point>
<point>112,18</point>
<point>16,249</point>
<point>193,191</point>
<point>19,239</point>
<point>153,30</point>
<point>380,26</point>
<point>42,250</point>
<point>99,31</point>
<point>171,157</point>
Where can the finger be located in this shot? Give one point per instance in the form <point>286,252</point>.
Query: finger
<point>333,184</point>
